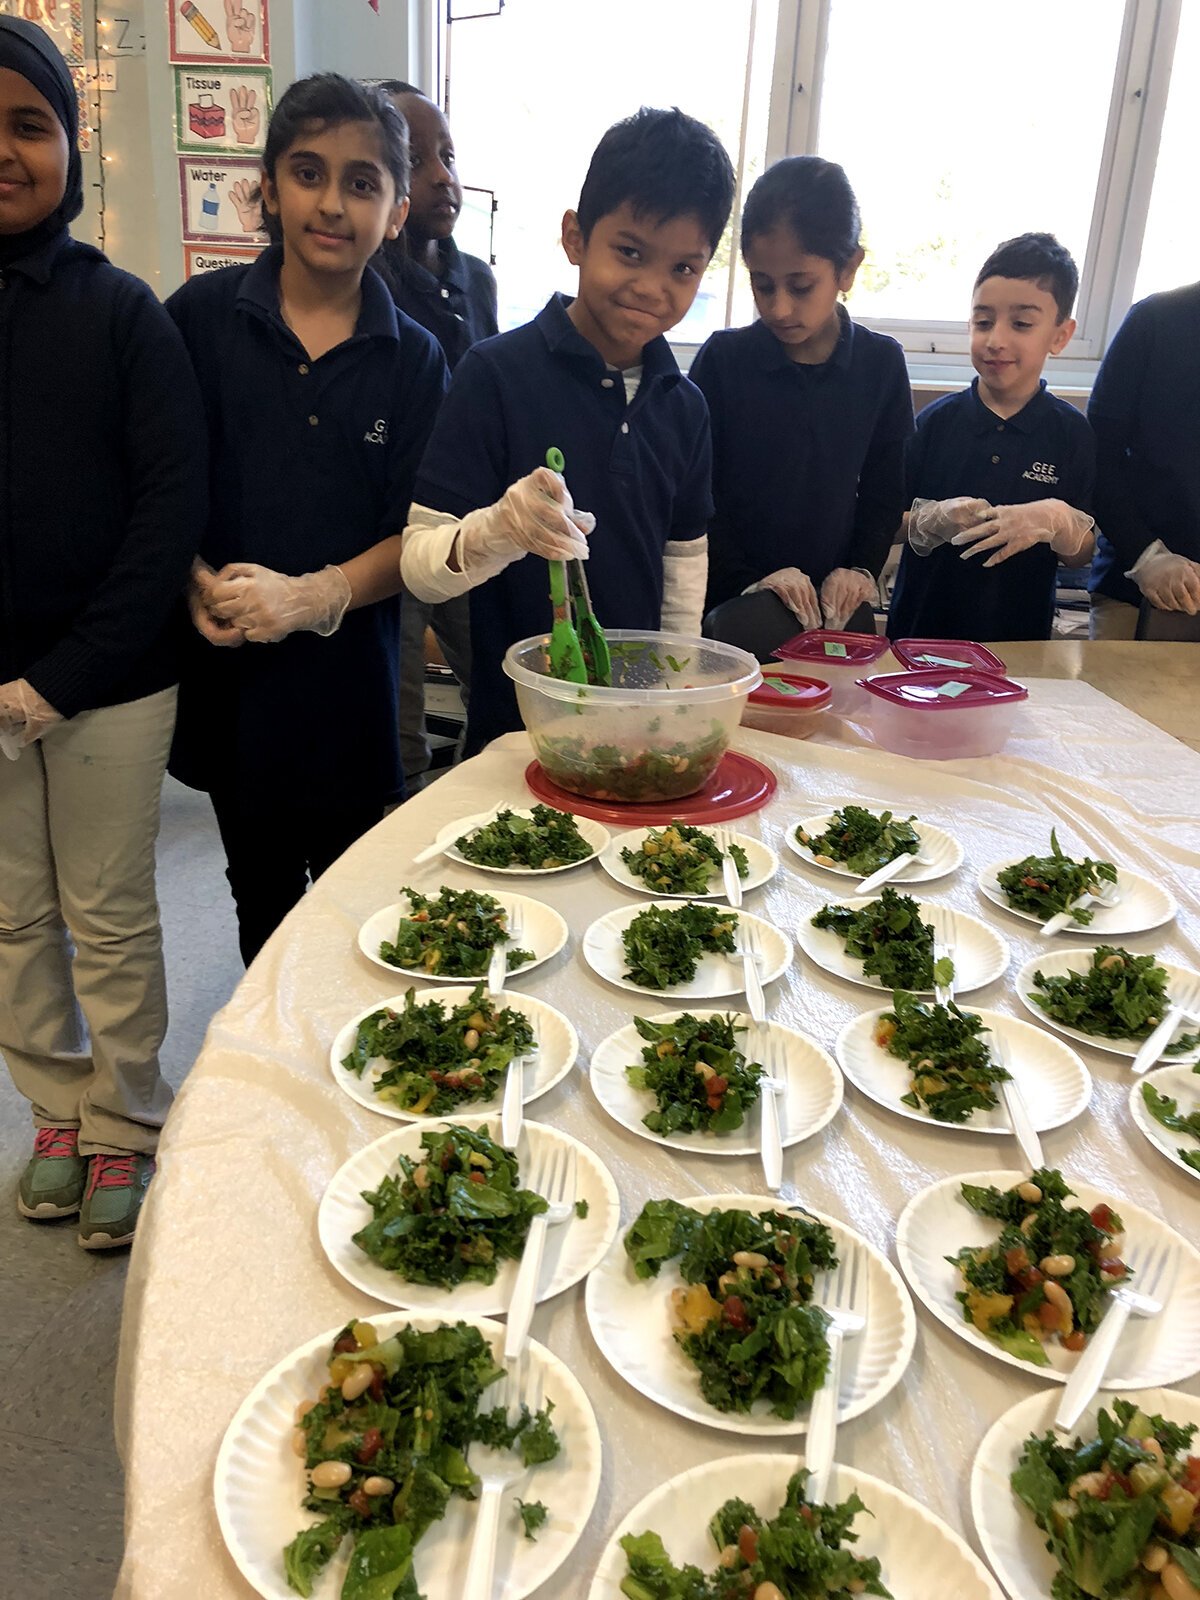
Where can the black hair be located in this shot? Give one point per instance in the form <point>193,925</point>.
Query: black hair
<point>327,99</point>
<point>1039,258</point>
<point>663,164</point>
<point>398,86</point>
<point>813,199</point>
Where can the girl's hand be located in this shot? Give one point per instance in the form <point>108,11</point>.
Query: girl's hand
<point>1007,530</point>
<point>796,591</point>
<point>24,714</point>
<point>844,590</point>
<point>267,605</point>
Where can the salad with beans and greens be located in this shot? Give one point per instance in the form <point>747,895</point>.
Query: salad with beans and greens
<point>452,935</point>
<point>861,840</point>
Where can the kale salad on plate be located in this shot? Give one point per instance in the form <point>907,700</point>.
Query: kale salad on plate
<point>701,1079</point>
<point>452,934</point>
<point>862,841</point>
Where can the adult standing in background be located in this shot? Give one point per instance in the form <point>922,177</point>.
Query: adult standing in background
<point>454,296</point>
<point>1145,412</point>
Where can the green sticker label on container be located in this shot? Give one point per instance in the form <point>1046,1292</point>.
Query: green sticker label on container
<point>782,686</point>
<point>835,649</point>
<point>941,661</point>
<point>952,690</point>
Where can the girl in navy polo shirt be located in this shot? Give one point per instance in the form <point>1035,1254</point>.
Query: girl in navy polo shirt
<point>810,412</point>
<point>320,397</point>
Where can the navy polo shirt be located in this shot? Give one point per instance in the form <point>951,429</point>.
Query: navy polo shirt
<point>1145,411</point>
<point>457,304</point>
<point>808,461</point>
<point>312,462</point>
<point>643,469</point>
<point>961,447</point>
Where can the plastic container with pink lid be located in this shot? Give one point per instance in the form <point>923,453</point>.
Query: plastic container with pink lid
<point>786,703</point>
<point>939,715</point>
<point>922,655</point>
<point>840,659</point>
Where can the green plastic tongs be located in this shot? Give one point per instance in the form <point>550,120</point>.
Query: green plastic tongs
<point>578,650</point>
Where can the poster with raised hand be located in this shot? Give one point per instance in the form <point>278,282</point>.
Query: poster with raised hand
<point>219,30</point>
<point>220,201</point>
<point>221,110</point>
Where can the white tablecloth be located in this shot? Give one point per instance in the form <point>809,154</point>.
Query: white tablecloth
<point>227,1275</point>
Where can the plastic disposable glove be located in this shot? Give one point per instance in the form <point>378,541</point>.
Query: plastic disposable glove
<point>24,715</point>
<point>267,605</point>
<point>1007,530</point>
<point>1168,581</point>
<point>844,590</point>
<point>796,591</point>
<point>535,516</point>
<point>199,594</point>
<point>935,522</point>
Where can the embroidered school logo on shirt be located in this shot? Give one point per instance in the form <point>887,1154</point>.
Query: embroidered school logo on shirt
<point>378,434</point>
<point>1041,472</point>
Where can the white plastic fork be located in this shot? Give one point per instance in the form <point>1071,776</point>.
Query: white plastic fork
<point>748,947</point>
<point>514,927</point>
<point>1104,894</point>
<point>436,849</point>
<point>512,1108</point>
<point>1023,1129</point>
<point>1181,1009</point>
<point>554,1179</point>
<point>892,869</point>
<point>1156,1277</point>
<point>772,1088</point>
<point>945,939</point>
<point>845,1297</point>
<point>723,838</point>
<point>497,1469</point>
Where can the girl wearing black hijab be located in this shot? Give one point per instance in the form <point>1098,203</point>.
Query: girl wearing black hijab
<point>102,503</point>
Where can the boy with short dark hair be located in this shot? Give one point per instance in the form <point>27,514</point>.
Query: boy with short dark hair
<point>1004,470</point>
<point>594,377</point>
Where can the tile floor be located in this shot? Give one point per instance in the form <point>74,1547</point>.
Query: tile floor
<point>60,1308</point>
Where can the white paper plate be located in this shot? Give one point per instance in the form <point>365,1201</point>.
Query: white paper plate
<point>814,1089</point>
<point>1144,904</point>
<point>573,1247</point>
<point>1055,963</point>
<point>543,931</point>
<point>716,975</point>
<point>259,1483</point>
<point>557,1049</point>
<point>761,861</point>
<point>938,1223</point>
<point>943,848</point>
<point>1054,1081</point>
<point>921,1558</point>
<point>980,954</point>
<point>594,833</point>
<point>1183,1086</point>
<point>630,1322</point>
<point>1011,1539</point>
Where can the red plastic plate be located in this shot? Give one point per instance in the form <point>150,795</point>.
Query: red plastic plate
<point>738,786</point>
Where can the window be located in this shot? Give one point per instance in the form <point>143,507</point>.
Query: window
<point>959,124</point>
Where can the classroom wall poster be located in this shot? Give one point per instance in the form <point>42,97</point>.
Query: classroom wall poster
<point>220,201</point>
<point>198,259</point>
<point>218,30</point>
<point>62,20</point>
<point>222,110</point>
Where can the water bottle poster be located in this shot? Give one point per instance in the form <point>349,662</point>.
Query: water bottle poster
<point>220,201</point>
<point>234,31</point>
<point>222,111</point>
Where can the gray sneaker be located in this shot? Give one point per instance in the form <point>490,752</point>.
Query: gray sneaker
<point>116,1188</point>
<point>52,1184</point>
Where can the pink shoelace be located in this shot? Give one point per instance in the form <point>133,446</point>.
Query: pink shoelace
<point>111,1172</point>
<point>54,1143</point>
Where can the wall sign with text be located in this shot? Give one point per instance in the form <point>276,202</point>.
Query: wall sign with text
<point>222,109</point>
<point>219,30</point>
<point>220,201</point>
<point>198,258</point>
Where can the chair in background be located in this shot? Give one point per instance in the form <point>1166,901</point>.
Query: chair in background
<point>760,623</point>
<point>1166,626</point>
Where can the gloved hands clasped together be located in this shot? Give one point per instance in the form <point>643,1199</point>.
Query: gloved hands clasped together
<point>1168,581</point>
<point>844,590</point>
<point>1003,530</point>
<point>25,716</point>
<point>248,603</point>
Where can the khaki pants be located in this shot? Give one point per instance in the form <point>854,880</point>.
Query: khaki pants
<point>1111,619</point>
<point>79,818</point>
